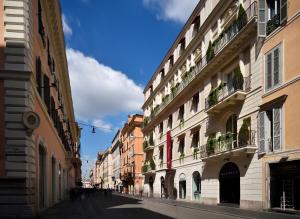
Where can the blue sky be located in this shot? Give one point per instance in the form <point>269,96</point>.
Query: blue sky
<point>113,48</point>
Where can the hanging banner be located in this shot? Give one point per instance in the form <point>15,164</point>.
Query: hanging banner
<point>169,150</point>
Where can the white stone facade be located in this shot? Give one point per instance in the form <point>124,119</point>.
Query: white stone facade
<point>186,113</point>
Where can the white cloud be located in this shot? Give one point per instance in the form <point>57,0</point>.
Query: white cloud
<point>99,91</point>
<point>66,27</point>
<point>174,10</point>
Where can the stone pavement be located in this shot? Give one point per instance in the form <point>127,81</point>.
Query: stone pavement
<point>98,205</point>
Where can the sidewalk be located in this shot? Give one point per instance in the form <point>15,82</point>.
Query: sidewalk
<point>226,210</point>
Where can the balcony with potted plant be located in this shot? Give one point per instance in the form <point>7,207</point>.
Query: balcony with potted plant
<point>229,144</point>
<point>227,94</point>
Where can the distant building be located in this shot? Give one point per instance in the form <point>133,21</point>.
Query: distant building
<point>116,167</point>
<point>131,147</point>
<point>39,138</point>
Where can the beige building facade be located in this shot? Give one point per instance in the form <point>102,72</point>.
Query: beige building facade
<point>40,146</point>
<point>279,139</point>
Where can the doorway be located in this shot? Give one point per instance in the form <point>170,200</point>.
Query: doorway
<point>229,179</point>
<point>284,185</point>
<point>151,186</point>
<point>42,177</point>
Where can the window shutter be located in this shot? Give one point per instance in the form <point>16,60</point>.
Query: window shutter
<point>262,19</point>
<point>47,97</point>
<point>39,75</point>
<point>277,129</point>
<point>283,11</point>
<point>269,71</point>
<point>276,71</point>
<point>261,132</point>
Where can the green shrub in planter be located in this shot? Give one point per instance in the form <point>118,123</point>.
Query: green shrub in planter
<point>213,97</point>
<point>242,18</point>
<point>144,168</point>
<point>210,53</point>
<point>210,146</point>
<point>152,164</point>
<point>244,133</point>
<point>237,79</point>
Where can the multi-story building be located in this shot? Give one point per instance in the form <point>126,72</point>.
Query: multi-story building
<point>39,138</point>
<point>279,139</point>
<point>115,151</point>
<point>107,170</point>
<point>201,107</point>
<point>131,139</point>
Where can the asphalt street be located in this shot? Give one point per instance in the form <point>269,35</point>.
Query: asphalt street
<point>116,206</point>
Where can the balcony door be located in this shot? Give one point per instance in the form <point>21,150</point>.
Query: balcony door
<point>231,127</point>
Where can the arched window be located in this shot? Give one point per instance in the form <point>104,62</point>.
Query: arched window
<point>196,185</point>
<point>182,186</point>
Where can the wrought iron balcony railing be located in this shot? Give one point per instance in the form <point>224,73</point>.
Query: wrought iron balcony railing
<point>227,142</point>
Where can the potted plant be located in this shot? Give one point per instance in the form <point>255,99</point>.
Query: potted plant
<point>210,146</point>
<point>210,53</point>
<point>242,18</point>
<point>181,157</point>
<point>244,133</point>
<point>195,153</point>
<point>152,164</point>
<point>237,79</point>
<point>145,144</point>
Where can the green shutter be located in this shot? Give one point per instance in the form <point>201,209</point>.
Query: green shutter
<point>261,132</point>
<point>277,129</point>
<point>262,19</point>
<point>276,65</point>
<point>268,79</point>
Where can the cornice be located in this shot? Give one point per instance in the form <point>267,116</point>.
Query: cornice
<point>55,29</point>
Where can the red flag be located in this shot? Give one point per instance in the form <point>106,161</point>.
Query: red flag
<point>169,150</point>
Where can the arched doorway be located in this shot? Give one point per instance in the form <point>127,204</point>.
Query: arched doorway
<point>42,177</point>
<point>229,179</point>
<point>162,187</point>
<point>231,127</point>
<point>182,186</point>
<point>151,186</point>
<point>196,185</point>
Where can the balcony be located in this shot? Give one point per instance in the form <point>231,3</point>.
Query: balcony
<point>227,45</point>
<point>149,167</point>
<point>148,145</point>
<point>229,144</point>
<point>226,95</point>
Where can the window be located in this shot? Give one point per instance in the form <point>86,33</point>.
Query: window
<point>181,114</point>
<point>273,70</point>
<point>171,61</point>
<point>162,73</point>
<point>170,121</point>
<point>214,81</point>
<point>196,25</point>
<point>182,46</point>
<point>161,153</point>
<point>161,128</point>
<point>195,102</point>
<point>270,129</point>
<point>181,146</point>
<point>41,28</point>
<point>195,140</point>
<point>46,87</point>
<point>271,14</point>
<point>39,79</point>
